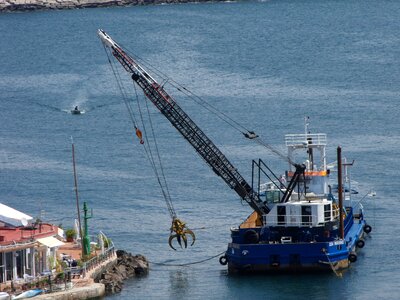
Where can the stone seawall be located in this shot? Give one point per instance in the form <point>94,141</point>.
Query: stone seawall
<point>126,266</point>
<point>26,5</point>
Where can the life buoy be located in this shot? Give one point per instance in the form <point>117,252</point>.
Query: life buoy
<point>251,237</point>
<point>367,229</point>
<point>223,260</point>
<point>352,257</point>
<point>360,244</point>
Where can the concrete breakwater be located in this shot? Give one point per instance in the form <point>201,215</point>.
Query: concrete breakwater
<point>26,5</point>
<point>126,266</point>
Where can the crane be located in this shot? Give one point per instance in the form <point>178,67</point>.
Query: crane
<point>217,161</point>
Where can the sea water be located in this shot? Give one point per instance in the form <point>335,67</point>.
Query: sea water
<point>266,64</point>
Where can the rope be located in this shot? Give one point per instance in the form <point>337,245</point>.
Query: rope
<point>213,227</point>
<point>187,264</point>
<point>332,266</point>
<point>206,105</point>
<point>162,182</point>
<point>160,179</point>
<point>209,107</point>
<point>168,198</point>
<point>121,89</point>
<point>273,150</point>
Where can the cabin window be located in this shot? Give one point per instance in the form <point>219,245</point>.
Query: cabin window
<point>281,215</point>
<point>327,212</point>
<point>306,218</point>
<point>273,196</point>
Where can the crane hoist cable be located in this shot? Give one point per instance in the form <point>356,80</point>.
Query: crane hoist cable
<point>206,105</point>
<point>247,133</point>
<point>160,177</point>
<point>178,228</point>
<point>161,181</point>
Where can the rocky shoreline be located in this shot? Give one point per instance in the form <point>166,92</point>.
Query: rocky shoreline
<point>29,5</point>
<point>126,266</point>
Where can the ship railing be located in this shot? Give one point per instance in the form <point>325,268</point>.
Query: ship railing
<point>296,140</point>
<point>292,220</point>
<point>335,211</point>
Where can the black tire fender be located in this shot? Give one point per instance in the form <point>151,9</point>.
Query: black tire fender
<point>223,260</point>
<point>367,228</point>
<point>352,257</point>
<point>251,237</point>
<point>360,244</point>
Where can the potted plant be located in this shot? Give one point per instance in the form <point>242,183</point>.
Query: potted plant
<point>70,234</point>
<point>106,242</point>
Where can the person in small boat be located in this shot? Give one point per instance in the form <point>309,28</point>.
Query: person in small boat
<point>76,108</point>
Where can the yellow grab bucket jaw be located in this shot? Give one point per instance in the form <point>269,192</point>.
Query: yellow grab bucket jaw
<point>180,233</point>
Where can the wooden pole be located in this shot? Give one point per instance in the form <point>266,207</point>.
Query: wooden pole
<point>77,195</point>
<point>340,192</point>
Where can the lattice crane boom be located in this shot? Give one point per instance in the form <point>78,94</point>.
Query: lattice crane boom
<point>187,128</point>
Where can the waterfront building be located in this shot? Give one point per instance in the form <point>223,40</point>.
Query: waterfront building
<point>28,247</point>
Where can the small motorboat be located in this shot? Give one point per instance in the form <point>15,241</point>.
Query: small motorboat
<point>4,296</point>
<point>76,111</point>
<point>28,294</point>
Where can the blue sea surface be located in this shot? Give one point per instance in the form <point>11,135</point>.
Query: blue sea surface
<point>266,64</point>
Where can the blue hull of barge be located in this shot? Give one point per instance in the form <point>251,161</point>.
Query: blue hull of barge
<point>282,257</point>
<point>299,256</point>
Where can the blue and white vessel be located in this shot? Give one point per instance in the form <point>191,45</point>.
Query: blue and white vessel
<point>298,223</point>
<point>303,233</point>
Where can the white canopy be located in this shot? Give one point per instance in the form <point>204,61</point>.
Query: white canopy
<point>12,216</point>
<point>50,242</point>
